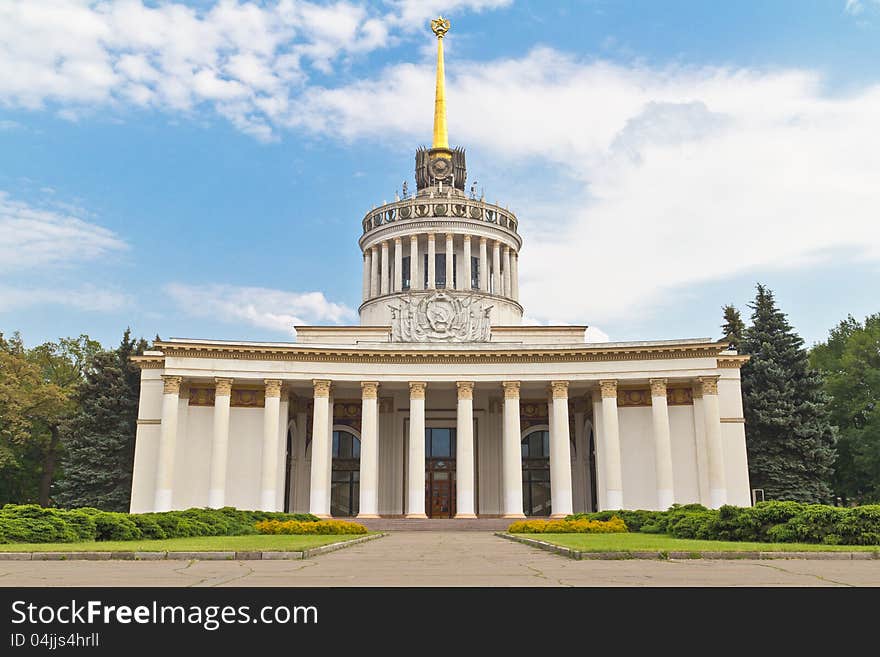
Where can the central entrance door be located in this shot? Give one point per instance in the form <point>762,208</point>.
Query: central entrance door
<point>440,472</point>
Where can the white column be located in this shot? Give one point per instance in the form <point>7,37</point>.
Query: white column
<point>450,262</point>
<point>374,272</point>
<point>219,444</point>
<point>432,251</point>
<point>167,443</point>
<point>514,275</point>
<point>662,445</point>
<point>319,494</point>
<point>366,283</point>
<point>369,484</point>
<point>484,266</point>
<point>271,411</point>
<point>560,453</point>
<point>464,451</point>
<point>700,440</point>
<point>398,264</point>
<point>511,454</point>
<point>717,480</point>
<point>496,267</point>
<point>415,507</point>
<point>506,272</point>
<point>415,280</point>
<point>611,446</point>
<point>465,283</point>
<point>386,275</point>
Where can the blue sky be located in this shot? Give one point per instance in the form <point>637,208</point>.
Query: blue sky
<point>200,169</point>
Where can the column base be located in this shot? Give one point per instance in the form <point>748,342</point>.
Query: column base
<point>518,516</point>
<point>323,516</point>
<point>470,516</point>
<point>559,516</point>
<point>416,516</point>
<point>718,497</point>
<point>162,500</point>
<point>367,515</point>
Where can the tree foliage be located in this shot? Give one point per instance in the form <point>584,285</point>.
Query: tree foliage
<point>789,436</point>
<point>100,443</point>
<point>850,362</point>
<point>733,327</point>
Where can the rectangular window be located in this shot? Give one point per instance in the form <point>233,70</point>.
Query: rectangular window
<point>406,273</point>
<point>440,269</point>
<point>475,273</point>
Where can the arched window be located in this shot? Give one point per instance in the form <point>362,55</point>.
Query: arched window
<point>345,478</point>
<point>536,472</point>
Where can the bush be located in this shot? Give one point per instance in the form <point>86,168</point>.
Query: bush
<point>31,523</point>
<point>569,526</point>
<point>309,527</point>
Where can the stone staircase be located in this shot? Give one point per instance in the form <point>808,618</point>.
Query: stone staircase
<point>435,525</point>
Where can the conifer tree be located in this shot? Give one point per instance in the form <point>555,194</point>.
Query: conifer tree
<point>100,445</point>
<point>789,436</point>
<point>733,327</point>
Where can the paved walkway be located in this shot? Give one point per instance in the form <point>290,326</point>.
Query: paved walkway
<point>440,559</point>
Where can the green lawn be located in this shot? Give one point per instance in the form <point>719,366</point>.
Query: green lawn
<point>663,543</point>
<point>255,542</point>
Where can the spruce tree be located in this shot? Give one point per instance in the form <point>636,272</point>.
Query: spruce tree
<point>733,327</point>
<point>100,446</point>
<point>789,436</point>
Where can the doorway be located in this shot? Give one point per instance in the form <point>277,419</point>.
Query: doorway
<point>440,472</point>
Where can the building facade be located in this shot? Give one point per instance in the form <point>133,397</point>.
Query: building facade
<point>439,403</point>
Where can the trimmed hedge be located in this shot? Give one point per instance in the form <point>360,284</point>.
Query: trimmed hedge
<point>319,527</point>
<point>766,522</point>
<point>31,523</point>
<point>613,525</point>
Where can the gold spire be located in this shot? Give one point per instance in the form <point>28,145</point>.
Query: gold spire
<point>440,26</point>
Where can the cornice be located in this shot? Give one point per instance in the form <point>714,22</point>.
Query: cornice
<point>426,355</point>
<point>733,361</point>
<point>149,362</point>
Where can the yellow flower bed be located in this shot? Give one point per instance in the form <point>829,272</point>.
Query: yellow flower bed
<point>613,526</point>
<point>319,527</point>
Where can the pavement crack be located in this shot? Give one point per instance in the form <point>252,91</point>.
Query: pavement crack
<point>813,575</point>
<point>250,571</point>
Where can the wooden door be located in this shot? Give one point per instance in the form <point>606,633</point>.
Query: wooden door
<point>440,495</point>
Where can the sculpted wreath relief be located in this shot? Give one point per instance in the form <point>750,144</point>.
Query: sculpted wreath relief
<point>440,317</point>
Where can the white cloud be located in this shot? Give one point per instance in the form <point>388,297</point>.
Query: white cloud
<point>686,175</point>
<point>276,310</point>
<point>32,237</point>
<point>88,297</point>
<point>244,59</point>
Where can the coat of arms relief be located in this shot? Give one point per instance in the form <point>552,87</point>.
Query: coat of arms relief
<point>440,317</point>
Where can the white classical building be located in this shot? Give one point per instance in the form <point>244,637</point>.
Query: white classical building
<point>440,403</point>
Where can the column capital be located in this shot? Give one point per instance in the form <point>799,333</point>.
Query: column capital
<point>322,387</point>
<point>369,389</point>
<point>511,389</point>
<point>414,238</point>
<point>431,237</point>
<point>483,240</point>
<point>375,248</point>
<point>466,237</point>
<point>465,389</point>
<point>273,387</point>
<point>171,384</point>
<point>608,388</point>
<point>709,384</point>
<point>559,389</point>
<point>417,389</point>
<point>222,386</point>
<point>507,248</point>
<point>658,387</point>
<point>397,241</point>
<point>384,244</point>
<point>697,390</point>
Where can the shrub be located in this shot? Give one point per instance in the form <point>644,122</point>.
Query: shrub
<point>31,523</point>
<point>309,527</point>
<point>569,526</point>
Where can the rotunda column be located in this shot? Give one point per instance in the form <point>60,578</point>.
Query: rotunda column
<point>432,252</point>
<point>496,267</point>
<point>514,275</point>
<point>506,272</point>
<point>450,262</point>
<point>374,271</point>
<point>366,283</point>
<point>484,266</point>
<point>385,273</point>
<point>465,282</point>
<point>415,281</point>
<point>398,264</point>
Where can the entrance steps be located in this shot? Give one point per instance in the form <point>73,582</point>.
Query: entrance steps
<point>435,524</point>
